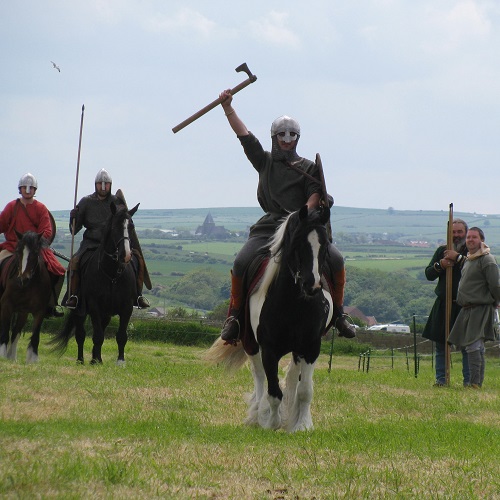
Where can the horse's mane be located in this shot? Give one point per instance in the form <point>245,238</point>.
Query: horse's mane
<point>285,238</point>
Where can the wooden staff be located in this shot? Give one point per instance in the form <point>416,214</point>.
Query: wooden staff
<point>73,226</point>
<point>449,296</point>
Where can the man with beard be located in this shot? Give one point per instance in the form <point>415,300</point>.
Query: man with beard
<point>287,182</point>
<point>435,329</point>
<point>478,295</point>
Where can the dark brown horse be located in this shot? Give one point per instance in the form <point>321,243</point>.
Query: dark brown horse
<point>25,287</point>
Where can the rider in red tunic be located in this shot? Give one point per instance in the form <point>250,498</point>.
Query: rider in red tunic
<point>27,214</point>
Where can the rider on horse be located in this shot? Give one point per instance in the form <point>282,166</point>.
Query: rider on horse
<point>282,189</point>
<point>92,212</point>
<point>27,214</point>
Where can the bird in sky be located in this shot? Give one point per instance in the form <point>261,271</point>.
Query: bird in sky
<point>56,66</point>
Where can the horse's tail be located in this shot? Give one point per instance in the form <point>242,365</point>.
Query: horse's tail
<point>59,341</point>
<point>231,357</point>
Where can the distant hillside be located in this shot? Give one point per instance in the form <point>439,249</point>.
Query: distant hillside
<point>398,225</point>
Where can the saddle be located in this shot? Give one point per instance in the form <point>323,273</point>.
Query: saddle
<point>251,283</point>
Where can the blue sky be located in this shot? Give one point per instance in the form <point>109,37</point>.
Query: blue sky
<point>400,98</point>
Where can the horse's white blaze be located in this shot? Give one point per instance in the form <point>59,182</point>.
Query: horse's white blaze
<point>313,239</point>
<point>126,241</point>
<point>24,260</point>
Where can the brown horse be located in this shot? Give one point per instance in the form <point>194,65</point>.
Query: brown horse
<point>25,288</point>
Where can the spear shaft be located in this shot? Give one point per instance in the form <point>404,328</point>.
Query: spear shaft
<point>73,224</point>
<point>449,297</point>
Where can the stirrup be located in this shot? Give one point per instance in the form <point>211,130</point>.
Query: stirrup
<point>144,300</point>
<point>72,297</point>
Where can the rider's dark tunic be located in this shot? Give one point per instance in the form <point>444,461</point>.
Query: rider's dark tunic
<point>281,190</point>
<point>92,214</point>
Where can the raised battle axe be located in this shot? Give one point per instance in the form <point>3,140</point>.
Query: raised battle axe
<point>251,78</point>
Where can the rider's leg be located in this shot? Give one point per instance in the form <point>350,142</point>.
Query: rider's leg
<point>337,276</point>
<point>231,329</point>
<point>142,302</point>
<point>74,282</point>
<point>57,282</point>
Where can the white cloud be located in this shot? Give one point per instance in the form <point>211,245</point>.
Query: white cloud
<point>184,20</point>
<point>464,22</point>
<point>273,28</point>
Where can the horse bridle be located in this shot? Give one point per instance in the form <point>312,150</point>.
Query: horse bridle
<point>114,257</point>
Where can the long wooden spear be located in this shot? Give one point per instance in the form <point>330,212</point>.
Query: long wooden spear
<point>449,296</point>
<point>73,226</point>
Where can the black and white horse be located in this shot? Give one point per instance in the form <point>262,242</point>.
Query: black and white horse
<point>288,313</point>
<point>25,288</point>
<point>108,288</point>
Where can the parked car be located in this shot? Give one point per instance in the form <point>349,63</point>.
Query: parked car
<point>391,328</point>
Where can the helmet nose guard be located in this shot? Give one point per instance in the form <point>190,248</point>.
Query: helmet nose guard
<point>28,181</point>
<point>287,128</point>
<point>103,177</point>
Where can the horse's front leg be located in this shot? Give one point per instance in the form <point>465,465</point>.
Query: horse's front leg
<point>32,350</point>
<point>80,337</point>
<point>97,338</point>
<point>269,407</point>
<point>299,411</point>
<point>122,337</point>
<point>4,333</point>
<point>259,381</point>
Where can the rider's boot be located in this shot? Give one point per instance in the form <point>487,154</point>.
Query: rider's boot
<point>341,324</point>
<point>231,328</point>
<point>339,317</point>
<point>53,309</point>
<point>72,301</point>
<point>142,302</point>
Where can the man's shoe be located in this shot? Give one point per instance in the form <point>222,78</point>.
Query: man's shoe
<point>72,302</point>
<point>231,329</point>
<point>345,329</point>
<point>142,302</point>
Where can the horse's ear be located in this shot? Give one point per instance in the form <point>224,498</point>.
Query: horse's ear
<point>18,234</point>
<point>113,207</point>
<point>303,212</point>
<point>132,211</point>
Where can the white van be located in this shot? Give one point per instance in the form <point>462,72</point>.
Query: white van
<point>391,328</point>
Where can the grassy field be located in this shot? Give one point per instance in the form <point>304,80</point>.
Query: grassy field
<point>166,425</point>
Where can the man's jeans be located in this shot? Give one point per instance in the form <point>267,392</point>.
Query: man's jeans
<point>441,365</point>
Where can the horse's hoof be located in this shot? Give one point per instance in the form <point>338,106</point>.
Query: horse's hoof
<point>120,362</point>
<point>96,362</point>
<point>80,362</point>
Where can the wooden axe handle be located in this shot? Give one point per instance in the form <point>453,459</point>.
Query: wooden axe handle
<point>212,105</point>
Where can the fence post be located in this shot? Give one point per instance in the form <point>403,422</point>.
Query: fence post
<point>415,344</point>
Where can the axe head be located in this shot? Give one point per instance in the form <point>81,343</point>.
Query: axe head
<point>244,67</point>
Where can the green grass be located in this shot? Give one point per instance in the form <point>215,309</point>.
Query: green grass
<point>167,425</point>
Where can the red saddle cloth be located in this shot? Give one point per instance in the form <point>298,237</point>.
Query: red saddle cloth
<point>253,279</point>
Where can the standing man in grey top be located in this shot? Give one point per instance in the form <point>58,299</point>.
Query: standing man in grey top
<point>479,295</point>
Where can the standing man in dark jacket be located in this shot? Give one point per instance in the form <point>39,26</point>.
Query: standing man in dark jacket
<point>287,182</point>
<point>436,324</point>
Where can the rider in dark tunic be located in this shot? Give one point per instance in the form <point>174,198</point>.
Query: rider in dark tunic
<point>92,212</point>
<point>281,190</point>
